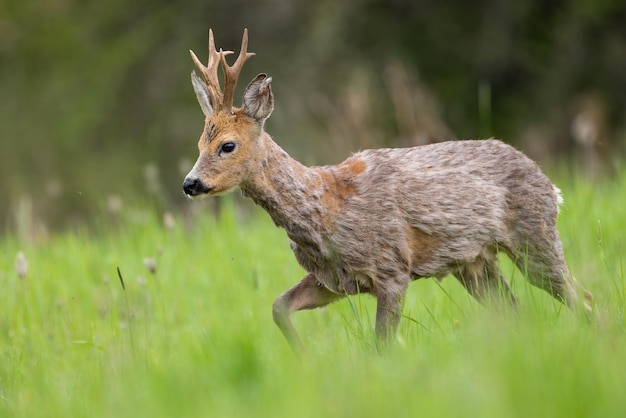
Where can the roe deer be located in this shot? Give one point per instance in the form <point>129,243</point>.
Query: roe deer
<point>382,217</point>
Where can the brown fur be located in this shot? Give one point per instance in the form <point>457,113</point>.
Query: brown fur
<point>338,187</point>
<point>384,217</point>
<point>422,246</point>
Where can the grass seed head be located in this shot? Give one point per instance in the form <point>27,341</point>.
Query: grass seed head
<point>21,265</point>
<point>150,264</point>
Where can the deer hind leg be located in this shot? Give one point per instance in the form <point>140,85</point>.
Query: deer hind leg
<point>483,279</point>
<point>307,294</point>
<point>543,262</point>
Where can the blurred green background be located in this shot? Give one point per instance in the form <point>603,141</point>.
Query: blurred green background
<point>96,107</point>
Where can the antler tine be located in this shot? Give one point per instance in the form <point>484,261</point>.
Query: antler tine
<point>231,73</point>
<point>209,72</point>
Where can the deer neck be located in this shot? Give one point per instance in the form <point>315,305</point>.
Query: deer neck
<point>290,192</point>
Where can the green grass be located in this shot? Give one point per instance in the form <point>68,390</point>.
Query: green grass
<point>196,338</point>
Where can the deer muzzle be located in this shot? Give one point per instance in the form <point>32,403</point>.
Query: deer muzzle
<point>195,187</point>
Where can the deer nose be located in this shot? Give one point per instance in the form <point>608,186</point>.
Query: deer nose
<point>194,187</point>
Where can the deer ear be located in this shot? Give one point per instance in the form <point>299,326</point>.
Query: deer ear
<point>258,101</point>
<point>202,93</point>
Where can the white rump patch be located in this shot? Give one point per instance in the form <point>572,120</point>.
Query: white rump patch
<point>559,197</point>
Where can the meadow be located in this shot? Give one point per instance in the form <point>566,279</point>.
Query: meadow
<point>187,331</point>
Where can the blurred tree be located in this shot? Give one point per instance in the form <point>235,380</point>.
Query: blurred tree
<point>92,93</point>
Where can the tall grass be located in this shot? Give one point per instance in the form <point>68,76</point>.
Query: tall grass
<point>190,333</point>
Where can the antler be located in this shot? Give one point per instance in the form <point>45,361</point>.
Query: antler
<point>219,100</point>
<point>210,71</point>
<point>231,73</point>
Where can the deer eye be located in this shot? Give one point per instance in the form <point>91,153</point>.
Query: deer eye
<point>227,148</point>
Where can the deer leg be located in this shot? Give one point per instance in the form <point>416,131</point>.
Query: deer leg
<point>483,280</point>
<point>544,264</point>
<point>388,312</point>
<point>308,294</point>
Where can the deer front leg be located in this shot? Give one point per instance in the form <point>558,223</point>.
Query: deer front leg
<point>308,294</point>
<point>388,312</point>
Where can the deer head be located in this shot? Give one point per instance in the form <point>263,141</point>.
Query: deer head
<point>231,138</point>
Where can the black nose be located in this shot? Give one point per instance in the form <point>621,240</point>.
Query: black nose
<point>194,187</point>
